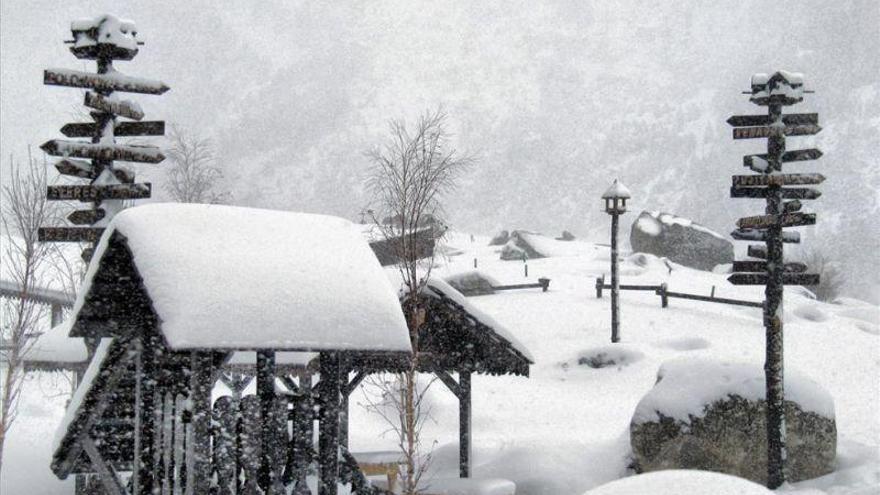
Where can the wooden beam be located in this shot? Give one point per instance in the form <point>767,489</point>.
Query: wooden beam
<point>328,455</point>
<point>464,425</point>
<point>145,452</point>
<point>266,394</point>
<point>109,479</point>
<point>198,464</point>
<point>450,382</point>
<point>303,431</point>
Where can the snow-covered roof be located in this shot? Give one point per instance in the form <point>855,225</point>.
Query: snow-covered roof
<point>617,190</point>
<point>438,287</point>
<point>55,346</point>
<point>82,391</point>
<point>224,277</point>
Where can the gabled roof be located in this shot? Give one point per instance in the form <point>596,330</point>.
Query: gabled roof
<point>230,278</point>
<point>617,190</point>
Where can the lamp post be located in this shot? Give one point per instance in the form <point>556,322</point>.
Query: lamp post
<point>615,204</point>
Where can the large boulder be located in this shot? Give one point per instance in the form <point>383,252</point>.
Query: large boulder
<point>522,244</point>
<point>472,283</point>
<point>679,239</point>
<point>711,415</point>
<point>500,239</point>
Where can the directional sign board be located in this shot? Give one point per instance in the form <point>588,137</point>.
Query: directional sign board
<point>758,251</point>
<point>768,131</point>
<point>777,180</point>
<point>758,120</point>
<point>129,153</point>
<point>86,217</point>
<point>69,234</point>
<point>103,82</point>
<point>761,279</point>
<point>762,235</point>
<point>122,129</point>
<point>755,161</point>
<point>99,193</point>
<point>761,266</point>
<point>786,220</point>
<point>76,168</point>
<point>123,108</point>
<point>784,192</point>
<point>791,206</point>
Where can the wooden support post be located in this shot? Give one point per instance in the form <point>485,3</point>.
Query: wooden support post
<point>328,456</point>
<point>600,283</point>
<point>266,394</point>
<point>664,299</point>
<point>303,419</point>
<point>347,388</point>
<point>464,425</point>
<point>198,455</point>
<point>615,282</point>
<point>145,452</point>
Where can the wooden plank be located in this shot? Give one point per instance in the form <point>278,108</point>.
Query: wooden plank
<point>784,192</point>
<point>751,161</point>
<point>328,442</point>
<point>124,152</point>
<point>759,120</point>
<point>762,235</point>
<point>122,129</point>
<point>122,108</point>
<point>69,234</point>
<point>198,451</point>
<point>712,299</point>
<point>86,217</point>
<point>761,279</point>
<point>769,131</point>
<point>777,180</point>
<point>103,82</point>
<point>791,206</point>
<point>108,476</point>
<point>761,266</point>
<point>99,193</point>
<point>465,454</point>
<point>757,251</point>
<point>786,220</point>
<point>266,394</point>
<point>76,168</point>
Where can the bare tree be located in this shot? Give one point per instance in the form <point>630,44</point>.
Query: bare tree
<point>409,175</point>
<point>24,210</point>
<point>194,174</point>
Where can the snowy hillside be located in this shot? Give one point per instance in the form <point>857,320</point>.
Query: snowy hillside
<point>564,430</point>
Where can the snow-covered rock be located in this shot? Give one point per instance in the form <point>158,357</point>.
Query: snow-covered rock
<point>679,239</point>
<point>680,482</point>
<point>520,245</point>
<point>710,415</point>
<point>472,283</point>
<point>500,239</point>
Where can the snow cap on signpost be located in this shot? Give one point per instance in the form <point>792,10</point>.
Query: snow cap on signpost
<point>615,198</point>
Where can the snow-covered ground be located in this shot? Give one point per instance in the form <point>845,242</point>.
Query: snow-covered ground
<point>564,430</point>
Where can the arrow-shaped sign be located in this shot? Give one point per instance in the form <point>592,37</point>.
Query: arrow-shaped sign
<point>761,279</point>
<point>123,108</point>
<point>86,217</point>
<point>761,266</point>
<point>791,206</point>
<point>761,235</point>
<point>752,161</point>
<point>76,168</point>
<point>757,120</point>
<point>69,234</point>
<point>758,251</point>
<point>115,81</point>
<point>99,193</point>
<point>129,153</point>
<point>777,180</point>
<point>784,192</point>
<point>768,131</point>
<point>122,129</point>
<point>767,221</point>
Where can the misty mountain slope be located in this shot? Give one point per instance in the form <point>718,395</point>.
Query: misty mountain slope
<point>556,101</point>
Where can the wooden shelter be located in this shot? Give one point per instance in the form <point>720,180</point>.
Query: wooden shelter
<point>174,291</point>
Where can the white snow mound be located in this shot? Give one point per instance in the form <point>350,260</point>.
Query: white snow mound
<point>680,482</point>
<point>685,386</point>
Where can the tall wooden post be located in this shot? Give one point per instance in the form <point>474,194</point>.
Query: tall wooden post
<point>145,420</point>
<point>615,282</point>
<point>328,393</point>
<point>266,394</point>
<point>303,420</point>
<point>198,455</point>
<point>465,451</point>
<point>615,204</point>
<point>774,92</point>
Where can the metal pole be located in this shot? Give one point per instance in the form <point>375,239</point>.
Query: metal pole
<point>615,283</point>
<point>773,363</point>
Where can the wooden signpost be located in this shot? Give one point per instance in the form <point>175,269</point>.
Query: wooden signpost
<point>774,91</point>
<point>103,41</point>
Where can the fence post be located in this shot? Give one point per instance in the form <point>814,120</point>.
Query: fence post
<point>664,299</point>
<point>600,281</point>
<point>545,283</point>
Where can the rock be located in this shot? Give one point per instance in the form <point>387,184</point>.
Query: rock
<point>711,416</point>
<point>500,239</point>
<point>566,236</point>
<point>472,283</point>
<point>608,356</point>
<point>519,244</point>
<point>679,239</point>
